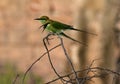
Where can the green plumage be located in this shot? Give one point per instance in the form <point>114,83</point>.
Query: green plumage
<point>57,27</point>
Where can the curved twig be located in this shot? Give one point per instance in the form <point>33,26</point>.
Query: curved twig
<point>46,38</point>
<point>88,77</point>
<point>37,61</point>
<point>77,80</point>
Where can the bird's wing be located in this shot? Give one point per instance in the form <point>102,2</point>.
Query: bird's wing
<point>59,25</point>
<point>63,34</point>
<point>62,26</point>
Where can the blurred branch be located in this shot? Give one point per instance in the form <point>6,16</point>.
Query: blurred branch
<point>108,71</point>
<point>15,79</point>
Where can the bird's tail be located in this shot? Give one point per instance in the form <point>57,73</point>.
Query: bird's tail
<point>83,31</point>
<point>63,34</point>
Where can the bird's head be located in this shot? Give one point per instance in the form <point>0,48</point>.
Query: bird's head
<point>43,18</point>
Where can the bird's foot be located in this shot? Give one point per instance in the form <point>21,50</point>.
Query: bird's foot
<point>48,38</point>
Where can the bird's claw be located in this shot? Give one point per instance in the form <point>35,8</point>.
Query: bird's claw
<point>47,38</point>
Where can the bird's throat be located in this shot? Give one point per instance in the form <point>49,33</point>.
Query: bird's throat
<point>43,21</point>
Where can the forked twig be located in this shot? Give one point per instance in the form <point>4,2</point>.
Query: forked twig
<point>46,38</point>
<point>37,61</point>
<point>87,77</point>
<point>65,52</point>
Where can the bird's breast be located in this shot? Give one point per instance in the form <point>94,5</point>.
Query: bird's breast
<point>52,29</point>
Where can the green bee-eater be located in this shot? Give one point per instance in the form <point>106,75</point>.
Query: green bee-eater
<point>57,28</point>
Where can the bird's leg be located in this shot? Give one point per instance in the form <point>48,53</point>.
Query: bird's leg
<point>47,38</point>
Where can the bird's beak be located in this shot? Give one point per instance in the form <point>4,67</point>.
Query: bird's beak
<point>37,19</point>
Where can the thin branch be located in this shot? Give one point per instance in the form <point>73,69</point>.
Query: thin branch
<point>46,38</point>
<point>87,77</point>
<point>69,60</point>
<point>37,61</point>
<point>89,70</point>
<point>15,79</point>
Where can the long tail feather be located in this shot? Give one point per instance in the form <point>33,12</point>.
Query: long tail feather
<point>83,31</point>
<point>63,34</point>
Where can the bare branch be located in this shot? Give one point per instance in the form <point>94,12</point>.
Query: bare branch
<point>46,38</point>
<point>15,79</point>
<point>37,61</point>
<point>69,60</point>
<point>108,71</point>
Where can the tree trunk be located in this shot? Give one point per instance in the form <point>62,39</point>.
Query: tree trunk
<point>96,16</point>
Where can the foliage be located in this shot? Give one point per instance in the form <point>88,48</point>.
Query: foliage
<point>9,75</point>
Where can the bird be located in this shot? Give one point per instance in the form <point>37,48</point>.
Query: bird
<point>58,28</point>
